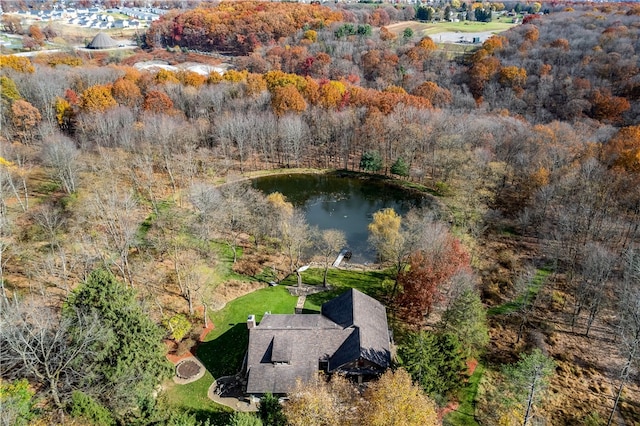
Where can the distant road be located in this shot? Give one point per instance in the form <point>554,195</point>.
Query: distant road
<point>47,51</point>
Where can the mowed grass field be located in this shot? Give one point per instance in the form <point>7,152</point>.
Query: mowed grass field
<point>423,28</point>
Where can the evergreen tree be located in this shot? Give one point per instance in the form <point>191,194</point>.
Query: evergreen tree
<point>400,168</point>
<point>435,362</point>
<point>130,361</point>
<point>466,318</point>
<point>239,418</point>
<point>364,30</point>
<point>270,411</point>
<point>407,33</point>
<point>86,409</point>
<point>371,161</point>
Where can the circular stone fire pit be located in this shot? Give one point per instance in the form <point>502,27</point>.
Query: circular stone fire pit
<point>187,369</point>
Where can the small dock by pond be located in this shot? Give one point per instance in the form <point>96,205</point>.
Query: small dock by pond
<point>344,254</point>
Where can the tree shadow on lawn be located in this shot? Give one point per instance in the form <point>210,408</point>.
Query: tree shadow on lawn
<point>215,418</point>
<point>223,356</point>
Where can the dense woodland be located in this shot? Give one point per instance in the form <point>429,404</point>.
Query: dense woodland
<point>110,190</point>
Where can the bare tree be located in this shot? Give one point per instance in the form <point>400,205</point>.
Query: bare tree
<point>328,243</point>
<point>595,270</point>
<point>143,176</point>
<point>225,210</point>
<point>61,155</point>
<point>6,242</point>
<point>116,213</point>
<point>292,132</point>
<point>54,351</point>
<point>14,170</point>
<point>51,220</point>
<point>42,88</point>
<point>295,239</point>
<point>191,275</point>
<point>628,324</point>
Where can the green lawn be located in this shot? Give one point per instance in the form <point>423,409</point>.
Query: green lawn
<point>464,415</point>
<point>374,283</point>
<point>192,396</point>
<point>509,307</point>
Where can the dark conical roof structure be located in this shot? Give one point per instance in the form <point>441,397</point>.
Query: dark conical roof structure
<point>102,41</point>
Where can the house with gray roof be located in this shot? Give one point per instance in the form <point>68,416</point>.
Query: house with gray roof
<point>350,336</point>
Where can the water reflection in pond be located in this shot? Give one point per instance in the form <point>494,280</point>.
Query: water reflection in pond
<point>342,202</point>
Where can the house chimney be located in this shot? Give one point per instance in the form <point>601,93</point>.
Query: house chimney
<point>251,321</point>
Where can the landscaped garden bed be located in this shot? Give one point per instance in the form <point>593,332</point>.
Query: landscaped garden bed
<point>187,369</point>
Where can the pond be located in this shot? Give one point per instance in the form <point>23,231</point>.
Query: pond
<point>342,201</point>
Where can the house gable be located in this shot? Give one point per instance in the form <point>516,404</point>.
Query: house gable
<point>350,336</point>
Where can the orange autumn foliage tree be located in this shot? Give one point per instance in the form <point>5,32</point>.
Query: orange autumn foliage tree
<point>191,78</point>
<point>286,99</point>
<point>60,58</point>
<point>386,35</point>
<point>384,101</point>
<point>428,271</point>
<point>254,84</point>
<point>126,92</point>
<point>311,90</point>
<point>25,117</point>
<point>494,43</point>
<point>435,94</point>
<point>330,94</point>
<point>607,107</point>
<point>623,149</point>
<point>36,33</point>
<point>280,79</point>
<point>422,49</point>
<point>97,98</point>
<point>233,76</point>
<point>157,102</point>
<point>480,73</point>
<point>238,27</point>
<point>512,76</point>
<point>165,76</point>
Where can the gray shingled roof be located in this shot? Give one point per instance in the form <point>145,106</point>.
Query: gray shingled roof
<point>102,41</point>
<point>285,348</point>
<point>354,308</point>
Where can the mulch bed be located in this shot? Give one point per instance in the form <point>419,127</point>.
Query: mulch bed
<point>171,346</point>
<point>187,369</point>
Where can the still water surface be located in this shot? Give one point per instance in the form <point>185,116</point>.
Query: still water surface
<point>341,202</point>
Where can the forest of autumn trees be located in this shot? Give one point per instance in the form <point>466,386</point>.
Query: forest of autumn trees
<point>531,142</point>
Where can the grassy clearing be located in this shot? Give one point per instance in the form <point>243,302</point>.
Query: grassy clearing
<point>509,307</point>
<point>466,27</point>
<point>424,28</point>
<point>224,266</point>
<point>464,415</point>
<point>374,283</point>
